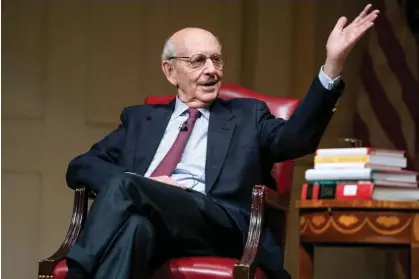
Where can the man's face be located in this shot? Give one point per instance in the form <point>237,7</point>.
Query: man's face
<point>197,68</point>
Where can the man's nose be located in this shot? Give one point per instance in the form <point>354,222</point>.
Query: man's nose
<point>209,66</point>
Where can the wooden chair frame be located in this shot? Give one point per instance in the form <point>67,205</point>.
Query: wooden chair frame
<point>263,198</point>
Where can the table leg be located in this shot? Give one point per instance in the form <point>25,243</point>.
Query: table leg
<point>414,260</point>
<point>306,261</point>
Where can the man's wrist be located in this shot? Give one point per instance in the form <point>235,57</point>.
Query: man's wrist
<point>328,82</point>
<point>333,68</point>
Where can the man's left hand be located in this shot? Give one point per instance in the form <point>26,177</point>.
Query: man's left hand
<point>342,40</point>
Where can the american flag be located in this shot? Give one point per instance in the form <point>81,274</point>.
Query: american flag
<point>387,113</point>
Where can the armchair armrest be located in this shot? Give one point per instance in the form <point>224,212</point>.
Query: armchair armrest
<point>262,197</point>
<point>46,266</point>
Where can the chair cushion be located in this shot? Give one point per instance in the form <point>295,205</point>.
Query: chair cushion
<point>60,270</point>
<point>183,268</point>
<point>200,268</point>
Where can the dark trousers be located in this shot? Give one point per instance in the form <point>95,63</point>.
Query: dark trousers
<point>136,224</point>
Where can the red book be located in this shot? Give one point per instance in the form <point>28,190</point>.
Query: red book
<point>362,190</point>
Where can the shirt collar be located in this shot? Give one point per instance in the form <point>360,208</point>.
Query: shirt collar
<point>181,108</point>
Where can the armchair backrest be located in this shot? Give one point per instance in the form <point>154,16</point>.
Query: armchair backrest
<point>280,107</point>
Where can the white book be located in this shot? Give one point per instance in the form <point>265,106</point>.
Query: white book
<point>393,161</point>
<point>359,151</point>
<point>361,174</point>
<point>354,166</point>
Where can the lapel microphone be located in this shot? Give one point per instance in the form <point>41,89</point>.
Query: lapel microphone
<point>183,127</point>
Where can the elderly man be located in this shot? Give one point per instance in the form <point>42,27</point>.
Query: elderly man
<point>175,180</point>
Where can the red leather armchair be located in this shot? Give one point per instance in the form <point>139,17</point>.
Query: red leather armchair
<point>264,200</point>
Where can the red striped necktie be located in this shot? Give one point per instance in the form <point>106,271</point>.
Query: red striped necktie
<point>172,158</point>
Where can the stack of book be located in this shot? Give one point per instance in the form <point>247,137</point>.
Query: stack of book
<point>360,174</point>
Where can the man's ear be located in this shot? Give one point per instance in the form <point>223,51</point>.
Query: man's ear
<point>169,71</point>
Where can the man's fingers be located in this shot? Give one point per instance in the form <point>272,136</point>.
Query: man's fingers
<point>341,23</point>
<point>360,27</point>
<point>366,24</point>
<point>363,13</point>
<point>371,17</point>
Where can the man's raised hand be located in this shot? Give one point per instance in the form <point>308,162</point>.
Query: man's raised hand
<point>343,39</point>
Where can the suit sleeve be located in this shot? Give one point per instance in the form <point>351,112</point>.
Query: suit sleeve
<point>96,166</point>
<point>301,134</point>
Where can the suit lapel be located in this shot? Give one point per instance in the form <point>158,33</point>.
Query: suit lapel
<point>151,132</point>
<point>220,131</point>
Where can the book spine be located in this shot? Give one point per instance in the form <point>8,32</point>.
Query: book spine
<point>342,159</point>
<point>337,191</point>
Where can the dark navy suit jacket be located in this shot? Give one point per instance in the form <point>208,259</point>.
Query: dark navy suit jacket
<point>244,140</point>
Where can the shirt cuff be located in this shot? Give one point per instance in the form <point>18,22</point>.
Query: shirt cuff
<point>327,82</point>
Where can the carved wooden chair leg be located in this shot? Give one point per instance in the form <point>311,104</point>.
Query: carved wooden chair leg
<point>245,268</point>
<point>46,266</point>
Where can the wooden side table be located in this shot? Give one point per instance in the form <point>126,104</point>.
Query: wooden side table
<point>346,223</point>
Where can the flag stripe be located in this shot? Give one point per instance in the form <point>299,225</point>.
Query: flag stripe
<point>361,129</point>
<point>397,61</point>
<point>416,121</point>
<point>396,17</point>
<point>386,113</point>
<point>393,90</point>
<point>376,132</point>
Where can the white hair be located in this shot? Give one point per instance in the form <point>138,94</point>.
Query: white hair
<point>169,50</point>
